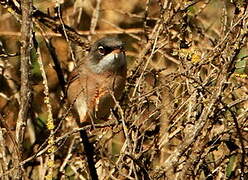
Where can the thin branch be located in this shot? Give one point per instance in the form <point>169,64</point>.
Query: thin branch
<point>95,17</point>
<point>84,33</point>
<point>25,92</point>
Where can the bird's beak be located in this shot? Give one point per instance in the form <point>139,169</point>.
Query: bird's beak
<point>119,54</point>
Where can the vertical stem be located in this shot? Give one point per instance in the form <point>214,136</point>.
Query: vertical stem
<point>25,91</point>
<point>50,121</point>
<point>95,17</point>
<point>4,162</point>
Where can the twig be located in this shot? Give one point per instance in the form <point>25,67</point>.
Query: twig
<point>4,164</point>
<point>84,33</point>
<point>50,121</point>
<point>68,156</point>
<point>57,140</point>
<point>25,92</point>
<point>26,44</point>
<point>95,17</point>
<point>158,30</point>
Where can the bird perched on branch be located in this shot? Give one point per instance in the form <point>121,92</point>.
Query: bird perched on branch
<point>101,72</point>
<point>95,84</point>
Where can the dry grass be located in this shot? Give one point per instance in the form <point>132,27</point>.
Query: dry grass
<point>184,111</point>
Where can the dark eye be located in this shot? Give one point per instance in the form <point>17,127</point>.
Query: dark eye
<point>101,50</point>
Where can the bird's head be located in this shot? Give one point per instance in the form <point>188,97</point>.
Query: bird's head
<point>107,54</point>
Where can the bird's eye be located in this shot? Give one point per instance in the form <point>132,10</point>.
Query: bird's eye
<point>101,50</point>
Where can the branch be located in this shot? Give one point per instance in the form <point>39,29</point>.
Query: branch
<point>48,21</point>
<point>25,92</point>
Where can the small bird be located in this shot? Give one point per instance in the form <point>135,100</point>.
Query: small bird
<point>102,72</point>
<point>94,86</point>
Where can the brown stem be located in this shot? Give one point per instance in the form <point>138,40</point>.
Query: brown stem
<point>25,91</point>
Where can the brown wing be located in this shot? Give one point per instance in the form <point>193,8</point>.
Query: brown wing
<point>76,94</point>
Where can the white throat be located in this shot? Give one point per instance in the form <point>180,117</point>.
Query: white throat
<point>111,61</point>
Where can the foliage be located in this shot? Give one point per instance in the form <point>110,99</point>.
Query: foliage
<point>184,111</point>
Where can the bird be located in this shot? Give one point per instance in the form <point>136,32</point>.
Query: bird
<point>95,85</point>
<point>102,72</point>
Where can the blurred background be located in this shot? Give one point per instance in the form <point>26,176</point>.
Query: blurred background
<point>184,110</point>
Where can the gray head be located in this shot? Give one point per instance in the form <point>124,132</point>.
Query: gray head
<point>107,54</point>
